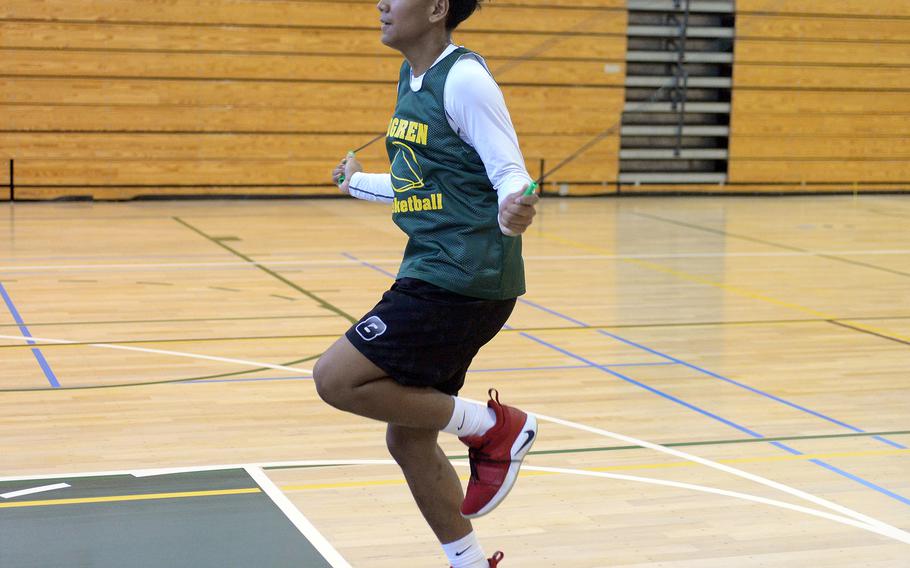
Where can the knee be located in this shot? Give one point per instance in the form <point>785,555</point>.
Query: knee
<point>404,449</point>
<point>327,387</point>
<point>398,445</point>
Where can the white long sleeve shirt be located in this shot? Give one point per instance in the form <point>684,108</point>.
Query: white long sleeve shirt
<point>476,111</point>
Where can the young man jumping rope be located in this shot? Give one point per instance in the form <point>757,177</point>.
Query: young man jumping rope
<point>457,186</point>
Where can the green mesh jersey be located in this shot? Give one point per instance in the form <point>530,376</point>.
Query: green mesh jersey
<point>443,199</point>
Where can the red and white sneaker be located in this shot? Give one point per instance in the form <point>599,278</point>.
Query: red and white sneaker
<point>494,562</point>
<point>496,457</point>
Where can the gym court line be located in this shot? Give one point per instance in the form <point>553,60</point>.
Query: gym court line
<point>845,515</point>
<point>582,324</point>
<point>252,265</point>
<point>716,375</point>
<point>588,362</point>
<point>726,234</point>
<point>738,290</point>
<point>174,353</point>
<point>374,483</point>
<point>716,417</point>
<point>852,517</point>
<point>39,356</point>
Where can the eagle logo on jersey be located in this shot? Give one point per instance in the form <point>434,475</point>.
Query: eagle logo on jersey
<point>406,171</point>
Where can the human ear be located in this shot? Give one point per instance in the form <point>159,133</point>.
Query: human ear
<point>440,10</point>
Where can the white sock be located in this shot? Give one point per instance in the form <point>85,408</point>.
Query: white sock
<point>466,553</point>
<point>470,419</point>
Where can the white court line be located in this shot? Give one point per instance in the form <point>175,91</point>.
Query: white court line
<point>150,472</point>
<point>159,352</point>
<point>297,518</point>
<point>878,527</point>
<point>894,532</point>
<point>33,490</point>
<point>871,523</point>
<point>396,260</point>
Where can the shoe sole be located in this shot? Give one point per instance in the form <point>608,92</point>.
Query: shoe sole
<point>520,449</point>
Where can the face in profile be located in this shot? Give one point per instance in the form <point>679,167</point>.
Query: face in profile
<point>403,21</point>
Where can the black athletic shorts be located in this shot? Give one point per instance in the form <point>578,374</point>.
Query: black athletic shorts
<point>424,335</point>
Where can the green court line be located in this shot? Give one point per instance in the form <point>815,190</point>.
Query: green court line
<point>728,234</point>
<point>321,335</point>
<point>669,445</point>
<point>544,328</point>
<point>723,442</point>
<point>247,490</point>
<point>175,320</point>
<point>307,293</point>
<point>177,340</point>
<point>169,381</point>
<point>870,332</point>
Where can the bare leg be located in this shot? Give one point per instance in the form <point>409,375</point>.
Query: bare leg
<point>349,381</point>
<point>432,480</point>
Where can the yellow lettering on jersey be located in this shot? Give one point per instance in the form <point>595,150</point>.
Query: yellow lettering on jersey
<point>402,127</point>
<point>414,204</point>
<point>409,130</point>
<point>412,131</point>
<point>422,133</point>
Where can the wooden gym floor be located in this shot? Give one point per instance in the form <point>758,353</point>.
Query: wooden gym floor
<point>770,335</point>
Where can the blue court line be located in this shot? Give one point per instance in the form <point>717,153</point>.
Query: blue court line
<point>553,312</point>
<point>847,474</point>
<point>23,329</point>
<point>658,392</point>
<point>745,386</point>
<point>862,481</point>
<point>681,362</point>
<point>787,448</point>
<point>368,265</point>
<point>640,384</point>
<point>719,377</point>
<point>716,417</point>
<point>889,442</point>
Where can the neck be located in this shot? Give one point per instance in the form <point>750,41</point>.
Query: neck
<point>422,53</point>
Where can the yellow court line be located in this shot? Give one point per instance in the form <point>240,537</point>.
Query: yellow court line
<point>118,498</point>
<point>745,292</point>
<point>665,465</point>
<point>376,483</point>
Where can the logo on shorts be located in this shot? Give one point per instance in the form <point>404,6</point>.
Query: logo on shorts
<point>370,328</point>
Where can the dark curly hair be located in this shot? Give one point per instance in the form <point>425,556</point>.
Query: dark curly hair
<point>459,11</point>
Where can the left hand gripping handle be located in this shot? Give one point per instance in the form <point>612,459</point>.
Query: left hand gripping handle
<point>342,178</point>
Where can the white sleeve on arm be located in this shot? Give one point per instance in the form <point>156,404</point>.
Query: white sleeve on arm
<point>372,187</point>
<point>477,111</point>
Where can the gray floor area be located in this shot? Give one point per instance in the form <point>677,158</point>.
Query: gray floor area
<point>245,530</point>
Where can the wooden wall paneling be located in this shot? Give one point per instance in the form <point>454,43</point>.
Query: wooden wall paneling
<point>130,93</point>
<point>792,28</point>
<point>820,93</point>
<point>826,7</point>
